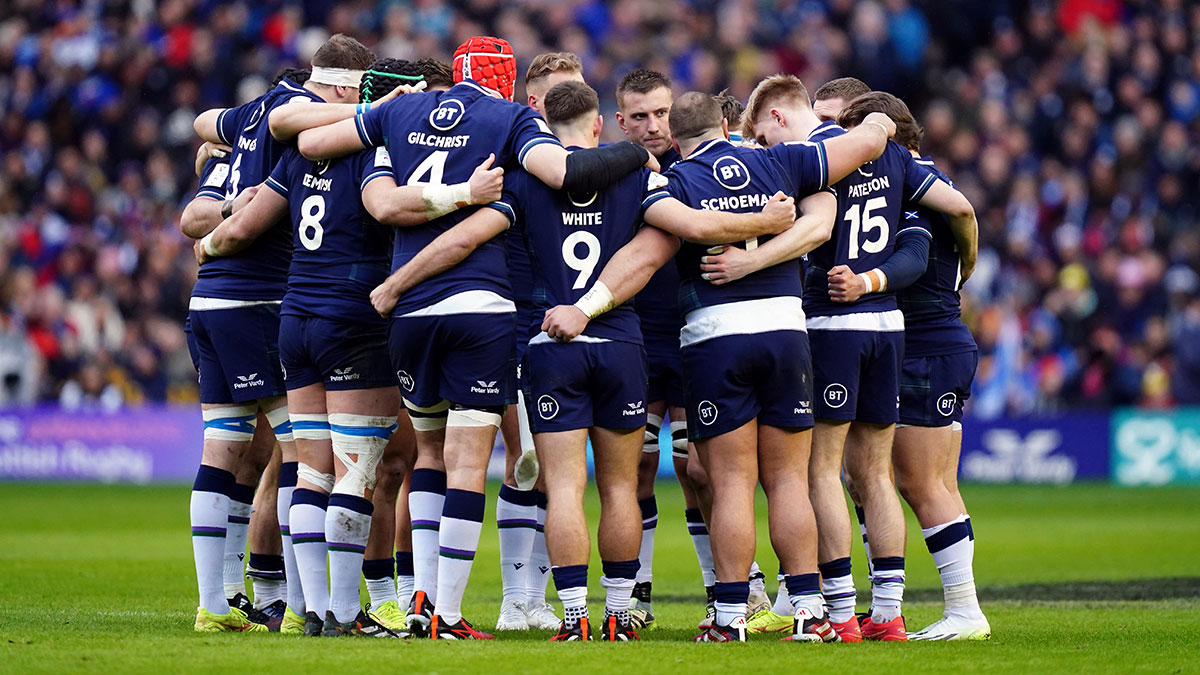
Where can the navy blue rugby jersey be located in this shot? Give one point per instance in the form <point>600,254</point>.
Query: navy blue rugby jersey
<point>932,312</point>
<point>260,271</point>
<point>725,177</point>
<point>213,178</point>
<point>657,304</point>
<point>339,252</point>
<point>440,138</point>
<point>868,222</point>
<point>570,238</point>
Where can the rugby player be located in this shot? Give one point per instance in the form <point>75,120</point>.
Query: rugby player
<point>521,511</point>
<point>747,373</point>
<point>940,357</point>
<point>452,340</point>
<point>859,388</point>
<point>233,322</point>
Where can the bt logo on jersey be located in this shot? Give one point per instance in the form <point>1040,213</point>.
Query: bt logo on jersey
<point>731,173</point>
<point>547,407</point>
<point>836,395</point>
<point>708,412</point>
<point>447,115</point>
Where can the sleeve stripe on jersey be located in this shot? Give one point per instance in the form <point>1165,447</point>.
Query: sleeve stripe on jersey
<point>530,145</point>
<point>655,196</point>
<point>362,132</point>
<point>915,228</point>
<point>505,209</point>
<point>373,175</point>
<point>928,183</point>
<point>277,186</point>
<point>220,118</point>
<point>824,160</point>
<point>926,162</point>
<point>211,193</point>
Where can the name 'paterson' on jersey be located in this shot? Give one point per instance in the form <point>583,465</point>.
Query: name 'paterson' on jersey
<point>873,185</point>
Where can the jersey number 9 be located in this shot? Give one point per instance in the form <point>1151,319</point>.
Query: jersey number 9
<point>585,265</point>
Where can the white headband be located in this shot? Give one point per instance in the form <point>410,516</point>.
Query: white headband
<point>338,77</point>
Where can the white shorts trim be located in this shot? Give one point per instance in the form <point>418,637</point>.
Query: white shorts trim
<point>891,321</point>
<point>742,318</point>
<point>544,338</point>
<point>204,304</point>
<point>467,302</point>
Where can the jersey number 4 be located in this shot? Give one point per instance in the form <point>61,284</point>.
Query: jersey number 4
<point>432,166</point>
<point>862,222</point>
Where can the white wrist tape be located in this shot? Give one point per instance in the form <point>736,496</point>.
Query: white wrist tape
<point>338,77</point>
<point>874,280</point>
<point>596,301</point>
<point>207,243</point>
<point>442,199</point>
<point>358,443</point>
<point>281,424</point>
<point>231,423</point>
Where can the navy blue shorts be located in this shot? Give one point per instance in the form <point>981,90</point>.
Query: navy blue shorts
<point>665,370</point>
<point>342,356</point>
<point>461,358</point>
<point>933,388</point>
<point>730,380</point>
<point>236,352</point>
<point>856,374</point>
<point>585,384</point>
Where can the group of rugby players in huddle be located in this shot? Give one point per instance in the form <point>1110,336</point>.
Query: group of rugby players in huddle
<point>405,253</point>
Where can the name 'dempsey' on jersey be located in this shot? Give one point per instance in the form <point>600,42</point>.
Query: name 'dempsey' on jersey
<point>733,202</point>
<point>316,183</point>
<point>429,140</point>
<point>873,185</point>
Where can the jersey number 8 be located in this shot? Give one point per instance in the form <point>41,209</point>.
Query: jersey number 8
<point>312,210</point>
<point>865,224</point>
<point>585,265</point>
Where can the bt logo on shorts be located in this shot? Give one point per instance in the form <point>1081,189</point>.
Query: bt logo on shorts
<point>481,387</point>
<point>344,375</point>
<point>836,395</point>
<point>805,408</point>
<point>406,380</point>
<point>945,404</point>
<point>707,410</point>
<point>634,408</point>
<point>547,407</point>
<point>247,381</point>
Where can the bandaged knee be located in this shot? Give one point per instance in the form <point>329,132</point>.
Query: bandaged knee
<point>431,418</point>
<point>474,417</point>
<point>311,476</point>
<point>679,441</point>
<point>231,423</point>
<point>310,426</point>
<point>358,443</point>
<point>956,426</point>
<point>653,426</point>
<point>281,424</point>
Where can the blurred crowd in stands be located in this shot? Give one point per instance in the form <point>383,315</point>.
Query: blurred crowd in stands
<point>1073,127</point>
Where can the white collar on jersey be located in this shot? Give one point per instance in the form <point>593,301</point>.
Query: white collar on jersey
<point>705,146</point>
<point>821,127</point>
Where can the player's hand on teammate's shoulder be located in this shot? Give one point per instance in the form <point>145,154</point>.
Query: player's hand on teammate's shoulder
<point>486,182</point>
<point>780,212</point>
<point>384,298</point>
<point>845,285</point>
<point>564,322</point>
<point>207,151</point>
<point>878,118</point>
<point>724,264</point>
<point>401,90</point>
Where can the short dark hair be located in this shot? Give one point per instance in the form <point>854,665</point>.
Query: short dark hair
<point>908,132</point>
<point>293,75</point>
<point>641,81</point>
<point>845,88</point>
<point>731,109</point>
<point>385,75</point>
<point>554,62</point>
<point>437,73</point>
<point>568,101</point>
<point>343,51</point>
<point>696,114</point>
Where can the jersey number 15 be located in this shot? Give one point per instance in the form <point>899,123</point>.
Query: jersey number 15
<point>862,222</point>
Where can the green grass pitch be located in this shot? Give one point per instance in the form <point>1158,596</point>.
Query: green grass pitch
<point>1088,579</point>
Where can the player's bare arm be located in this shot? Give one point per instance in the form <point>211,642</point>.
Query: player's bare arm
<point>705,226</point>
<point>240,230</point>
<point>203,215</point>
<point>329,141</point>
<point>585,170</point>
<point>205,125</point>
<point>208,150</point>
<point>287,121</point>
<point>814,227</point>
<point>408,205</point>
<point>963,224</point>
<point>447,250</point>
<point>861,144</point>
<point>626,273</point>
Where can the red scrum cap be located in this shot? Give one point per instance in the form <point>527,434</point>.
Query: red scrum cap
<point>489,62</point>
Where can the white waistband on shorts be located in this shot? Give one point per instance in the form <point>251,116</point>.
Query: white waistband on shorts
<point>202,304</point>
<point>890,321</point>
<point>544,338</point>
<point>467,302</point>
<point>742,318</point>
